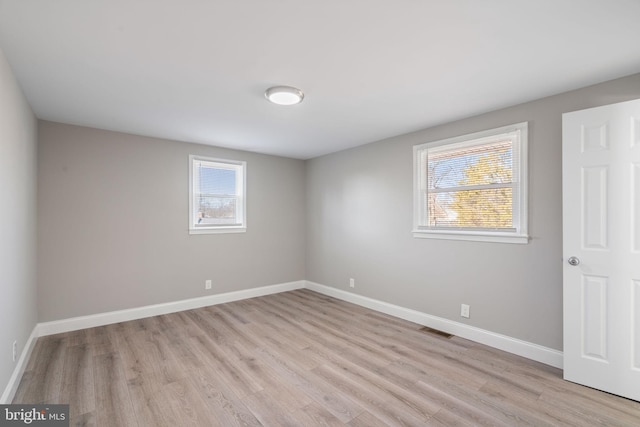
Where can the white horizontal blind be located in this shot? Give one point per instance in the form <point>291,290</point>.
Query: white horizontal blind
<point>217,194</point>
<point>470,185</point>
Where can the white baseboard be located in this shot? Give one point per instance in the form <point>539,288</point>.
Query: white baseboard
<point>512,345</point>
<point>101,319</point>
<point>522,348</point>
<point>14,381</point>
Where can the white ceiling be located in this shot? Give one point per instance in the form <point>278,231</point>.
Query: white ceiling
<point>196,70</point>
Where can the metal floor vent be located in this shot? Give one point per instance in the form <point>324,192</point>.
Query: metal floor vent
<point>435,331</point>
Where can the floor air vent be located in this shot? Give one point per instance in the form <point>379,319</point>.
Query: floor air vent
<point>435,332</point>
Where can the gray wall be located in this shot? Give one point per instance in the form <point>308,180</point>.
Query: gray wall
<point>18,135</point>
<point>113,223</point>
<point>359,211</point>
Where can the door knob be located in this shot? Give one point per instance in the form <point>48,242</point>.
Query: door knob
<point>574,261</point>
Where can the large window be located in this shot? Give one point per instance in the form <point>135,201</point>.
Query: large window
<point>473,187</point>
<point>216,196</point>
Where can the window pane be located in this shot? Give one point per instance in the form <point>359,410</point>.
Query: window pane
<point>216,180</point>
<point>487,208</point>
<point>216,210</point>
<point>217,201</point>
<point>474,165</point>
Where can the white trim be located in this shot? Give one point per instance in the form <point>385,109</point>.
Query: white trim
<point>101,319</point>
<point>474,236</point>
<point>240,168</point>
<point>10,391</point>
<point>519,134</point>
<point>234,229</point>
<point>522,348</point>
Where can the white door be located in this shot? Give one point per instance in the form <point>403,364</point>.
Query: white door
<point>601,247</point>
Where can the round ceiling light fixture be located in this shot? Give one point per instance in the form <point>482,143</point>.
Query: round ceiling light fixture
<point>284,95</point>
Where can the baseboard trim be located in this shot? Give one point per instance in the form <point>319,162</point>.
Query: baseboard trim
<point>101,319</point>
<point>522,348</point>
<point>512,345</point>
<point>14,381</point>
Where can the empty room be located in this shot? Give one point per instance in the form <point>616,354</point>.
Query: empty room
<point>337,213</point>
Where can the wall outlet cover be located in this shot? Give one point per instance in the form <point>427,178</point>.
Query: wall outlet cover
<point>464,310</point>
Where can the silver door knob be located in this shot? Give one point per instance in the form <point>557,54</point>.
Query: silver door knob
<point>574,261</point>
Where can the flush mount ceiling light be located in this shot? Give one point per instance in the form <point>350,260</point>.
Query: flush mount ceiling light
<point>284,95</point>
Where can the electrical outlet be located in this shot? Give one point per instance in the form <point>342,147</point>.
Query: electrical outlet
<point>464,310</point>
<point>207,284</point>
<point>15,350</point>
<point>352,283</point>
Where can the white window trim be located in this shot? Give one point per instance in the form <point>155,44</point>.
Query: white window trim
<point>520,233</point>
<point>216,229</point>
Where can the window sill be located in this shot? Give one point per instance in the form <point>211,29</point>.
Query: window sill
<point>472,236</point>
<point>217,230</point>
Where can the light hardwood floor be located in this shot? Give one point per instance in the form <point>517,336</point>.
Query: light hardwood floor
<point>300,359</point>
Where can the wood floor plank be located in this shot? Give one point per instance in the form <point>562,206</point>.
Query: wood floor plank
<point>228,408</point>
<point>367,420</point>
<point>43,378</point>
<point>553,414</point>
<point>409,377</point>
<point>84,420</point>
<point>149,405</point>
<point>287,394</point>
<point>300,359</point>
<point>590,414</point>
<point>240,378</point>
<point>269,412</point>
<point>446,418</point>
<point>112,395</point>
<point>414,366</point>
<point>188,407</point>
<point>337,403</point>
<point>269,337</point>
<point>77,383</point>
<point>149,359</point>
<point>316,415</point>
<point>373,398</point>
<point>100,340</point>
<point>503,410</point>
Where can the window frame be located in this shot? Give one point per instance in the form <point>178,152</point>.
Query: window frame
<point>240,168</point>
<point>421,229</point>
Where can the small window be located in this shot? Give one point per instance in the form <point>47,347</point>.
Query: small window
<point>216,196</point>
<point>473,187</point>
